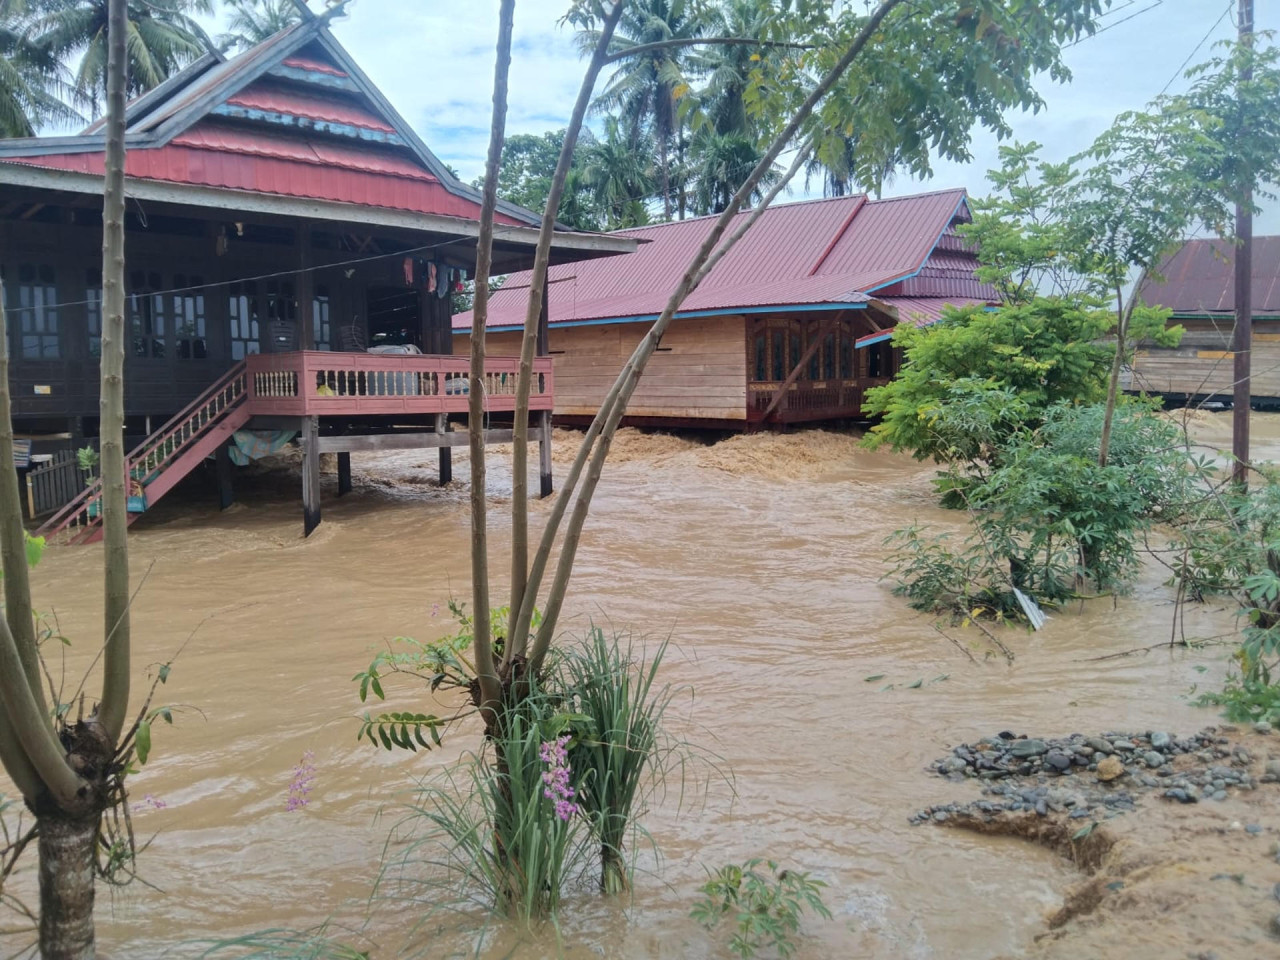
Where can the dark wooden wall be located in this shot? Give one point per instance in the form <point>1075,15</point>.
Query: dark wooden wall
<point>58,393</point>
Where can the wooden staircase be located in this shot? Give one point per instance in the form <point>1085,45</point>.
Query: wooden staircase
<point>158,463</point>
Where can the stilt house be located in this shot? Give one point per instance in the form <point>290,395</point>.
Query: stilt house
<point>792,326</point>
<point>291,250</point>
<point>1198,284</point>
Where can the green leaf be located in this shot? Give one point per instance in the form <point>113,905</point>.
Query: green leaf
<point>163,673</point>
<point>873,678</point>
<point>1085,830</point>
<point>376,684</point>
<point>917,685</point>
<point>142,741</point>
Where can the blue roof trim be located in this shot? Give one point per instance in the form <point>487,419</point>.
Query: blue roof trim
<point>347,130</point>
<point>916,272</point>
<point>686,314</point>
<point>314,77</point>
<point>878,338</point>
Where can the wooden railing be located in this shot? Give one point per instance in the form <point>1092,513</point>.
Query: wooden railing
<point>321,383</point>
<point>808,401</point>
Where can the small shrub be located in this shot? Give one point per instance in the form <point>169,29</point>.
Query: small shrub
<point>765,904</point>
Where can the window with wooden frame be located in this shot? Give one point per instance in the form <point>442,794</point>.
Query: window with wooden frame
<point>320,336</point>
<point>33,309</point>
<point>145,305</point>
<point>189,317</point>
<point>244,317</point>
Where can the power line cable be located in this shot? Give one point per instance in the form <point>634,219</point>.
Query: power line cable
<point>1177,73</point>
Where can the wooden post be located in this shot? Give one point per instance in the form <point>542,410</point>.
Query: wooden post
<point>310,475</point>
<point>306,290</point>
<point>446,453</point>
<point>344,473</point>
<point>544,453</point>
<point>1242,336</point>
<point>226,490</point>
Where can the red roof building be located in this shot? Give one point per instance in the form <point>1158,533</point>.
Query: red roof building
<point>792,325</point>
<point>1197,283</point>
<point>292,247</point>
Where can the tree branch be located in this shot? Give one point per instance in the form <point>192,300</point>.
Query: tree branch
<point>115,520</point>
<point>643,48</point>
<point>518,629</point>
<point>490,688</point>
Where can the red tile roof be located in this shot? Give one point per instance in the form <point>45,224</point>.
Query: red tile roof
<point>816,252</point>
<point>1200,279</point>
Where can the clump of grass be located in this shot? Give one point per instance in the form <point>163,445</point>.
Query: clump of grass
<point>490,833</point>
<point>282,944</point>
<point>617,711</point>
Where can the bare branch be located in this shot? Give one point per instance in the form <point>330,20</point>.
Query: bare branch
<point>518,629</point>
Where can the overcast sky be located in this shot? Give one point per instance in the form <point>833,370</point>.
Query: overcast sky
<point>434,61</point>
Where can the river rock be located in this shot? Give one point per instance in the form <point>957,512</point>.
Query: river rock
<point>1110,768</point>
<point>1028,748</point>
<point>1153,758</point>
<point>1125,746</point>
<point>1160,741</point>
<point>1059,761</point>
<point>1262,727</point>
<point>1100,745</point>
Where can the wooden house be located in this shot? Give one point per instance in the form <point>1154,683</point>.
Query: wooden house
<point>1198,285</point>
<point>792,326</point>
<point>291,250</point>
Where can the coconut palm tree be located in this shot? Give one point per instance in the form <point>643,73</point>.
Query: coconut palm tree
<point>646,89</point>
<point>253,21</point>
<point>617,171</point>
<point>719,163</point>
<point>32,81</point>
<point>163,36</point>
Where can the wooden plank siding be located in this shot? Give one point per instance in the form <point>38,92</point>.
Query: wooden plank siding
<point>1202,364</point>
<point>699,372</point>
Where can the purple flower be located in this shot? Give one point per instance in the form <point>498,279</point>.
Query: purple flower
<point>555,779</point>
<point>151,803</point>
<point>300,787</point>
<point>435,609</point>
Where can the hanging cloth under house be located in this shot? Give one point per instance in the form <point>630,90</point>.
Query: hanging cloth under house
<point>249,445</point>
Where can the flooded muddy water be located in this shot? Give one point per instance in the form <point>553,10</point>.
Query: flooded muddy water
<point>761,557</point>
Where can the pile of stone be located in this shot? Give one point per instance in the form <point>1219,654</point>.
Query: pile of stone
<point>1097,776</point>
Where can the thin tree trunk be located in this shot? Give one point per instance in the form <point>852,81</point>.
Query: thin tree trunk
<point>666,177</point>
<point>13,536</point>
<point>1113,384</point>
<point>516,639</point>
<point>115,520</point>
<point>490,692</point>
<point>66,851</point>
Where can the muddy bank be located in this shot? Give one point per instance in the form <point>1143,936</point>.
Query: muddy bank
<point>1163,876</point>
<point>762,557</point>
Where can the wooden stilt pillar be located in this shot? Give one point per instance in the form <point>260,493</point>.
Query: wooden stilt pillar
<point>226,490</point>
<point>544,453</point>
<point>344,474</point>
<point>310,475</point>
<point>446,453</point>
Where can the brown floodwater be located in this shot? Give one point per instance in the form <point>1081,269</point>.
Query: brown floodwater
<point>761,557</point>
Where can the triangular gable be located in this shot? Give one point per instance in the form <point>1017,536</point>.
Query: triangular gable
<point>296,98</point>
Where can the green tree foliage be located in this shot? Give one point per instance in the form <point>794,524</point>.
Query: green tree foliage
<point>619,177</point>
<point>528,165</point>
<point>1049,520</point>
<point>34,89</point>
<point>971,381</point>
<point>163,37</point>
<point>764,902</point>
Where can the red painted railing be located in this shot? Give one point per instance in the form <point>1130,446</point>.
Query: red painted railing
<point>320,383</point>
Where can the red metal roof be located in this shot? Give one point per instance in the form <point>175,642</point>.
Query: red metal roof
<point>220,155</point>
<point>834,251</point>
<point>299,62</point>
<point>279,98</point>
<point>1200,278</point>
